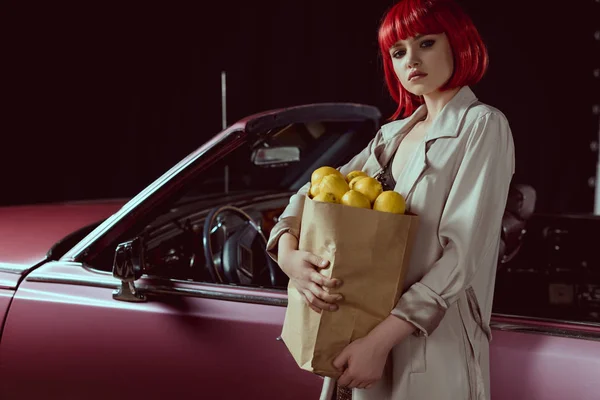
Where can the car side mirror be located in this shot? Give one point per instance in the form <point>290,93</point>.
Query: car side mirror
<point>275,156</point>
<point>128,266</point>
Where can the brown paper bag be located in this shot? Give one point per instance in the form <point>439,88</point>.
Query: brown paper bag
<point>369,251</point>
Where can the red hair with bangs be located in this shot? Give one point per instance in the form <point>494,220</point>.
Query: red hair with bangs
<point>411,17</point>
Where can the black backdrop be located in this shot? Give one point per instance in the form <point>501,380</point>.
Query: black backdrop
<point>98,99</point>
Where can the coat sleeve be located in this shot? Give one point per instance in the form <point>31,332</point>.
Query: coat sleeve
<point>290,219</point>
<point>470,224</point>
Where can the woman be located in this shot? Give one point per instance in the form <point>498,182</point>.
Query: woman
<point>452,158</point>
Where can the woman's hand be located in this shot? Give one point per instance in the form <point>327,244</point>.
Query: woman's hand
<point>363,362</point>
<point>364,359</point>
<point>302,269</point>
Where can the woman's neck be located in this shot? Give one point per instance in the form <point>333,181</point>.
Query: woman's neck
<point>436,101</point>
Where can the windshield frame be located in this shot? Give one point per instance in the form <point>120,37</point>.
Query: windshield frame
<point>150,201</point>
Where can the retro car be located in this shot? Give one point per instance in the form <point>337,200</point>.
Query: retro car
<point>170,294</point>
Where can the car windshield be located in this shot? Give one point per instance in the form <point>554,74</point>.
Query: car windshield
<point>237,172</point>
<point>236,176</point>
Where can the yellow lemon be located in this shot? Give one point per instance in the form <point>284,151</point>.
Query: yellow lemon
<point>314,189</point>
<point>322,172</point>
<point>354,174</point>
<point>354,180</point>
<point>353,198</point>
<point>368,186</point>
<point>390,201</point>
<point>326,198</point>
<point>333,184</point>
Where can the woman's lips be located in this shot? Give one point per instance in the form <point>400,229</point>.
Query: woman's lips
<point>416,76</point>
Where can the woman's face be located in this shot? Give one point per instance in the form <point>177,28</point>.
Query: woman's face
<point>423,63</point>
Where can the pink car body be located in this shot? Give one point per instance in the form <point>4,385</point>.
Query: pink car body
<point>64,336</point>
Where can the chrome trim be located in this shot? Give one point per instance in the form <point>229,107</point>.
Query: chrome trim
<point>162,290</point>
<point>128,292</point>
<point>544,330</point>
<point>105,283</point>
<point>20,269</point>
<point>218,286</point>
<point>209,294</point>
<point>109,282</point>
<point>12,271</point>
<point>547,320</point>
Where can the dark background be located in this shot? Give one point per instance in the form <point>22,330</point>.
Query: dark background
<point>100,98</point>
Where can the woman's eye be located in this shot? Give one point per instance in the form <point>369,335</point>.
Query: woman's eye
<point>427,43</point>
<point>398,53</point>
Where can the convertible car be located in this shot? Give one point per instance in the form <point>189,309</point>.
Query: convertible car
<point>171,294</point>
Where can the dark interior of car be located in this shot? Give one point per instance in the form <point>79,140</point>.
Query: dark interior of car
<point>226,244</point>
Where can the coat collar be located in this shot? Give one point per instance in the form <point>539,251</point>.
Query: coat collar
<point>446,124</point>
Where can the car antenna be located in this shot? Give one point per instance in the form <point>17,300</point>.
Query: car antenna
<point>224,120</point>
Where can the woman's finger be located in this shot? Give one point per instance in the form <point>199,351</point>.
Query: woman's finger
<point>324,281</point>
<point>316,309</point>
<point>354,383</point>
<point>321,298</point>
<point>364,385</point>
<point>341,360</point>
<point>316,260</point>
<point>317,302</point>
<point>345,379</point>
<point>331,298</point>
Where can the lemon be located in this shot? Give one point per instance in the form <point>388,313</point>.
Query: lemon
<point>390,201</point>
<point>314,189</point>
<point>353,198</point>
<point>322,172</point>
<point>354,180</point>
<point>354,174</point>
<point>368,186</point>
<point>326,198</point>
<point>334,184</point>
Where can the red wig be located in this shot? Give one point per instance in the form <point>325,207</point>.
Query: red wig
<point>411,17</point>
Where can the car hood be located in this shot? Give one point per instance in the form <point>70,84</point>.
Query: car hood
<point>28,232</point>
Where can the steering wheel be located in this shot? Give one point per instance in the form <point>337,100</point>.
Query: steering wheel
<point>235,252</point>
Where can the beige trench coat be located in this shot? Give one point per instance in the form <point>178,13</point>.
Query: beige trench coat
<point>457,182</point>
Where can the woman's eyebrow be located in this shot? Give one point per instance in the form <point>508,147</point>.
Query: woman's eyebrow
<point>400,42</point>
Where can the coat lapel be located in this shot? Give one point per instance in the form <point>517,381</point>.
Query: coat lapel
<point>446,125</point>
<point>394,132</point>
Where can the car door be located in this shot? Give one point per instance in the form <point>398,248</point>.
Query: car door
<point>543,359</point>
<point>66,337</point>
